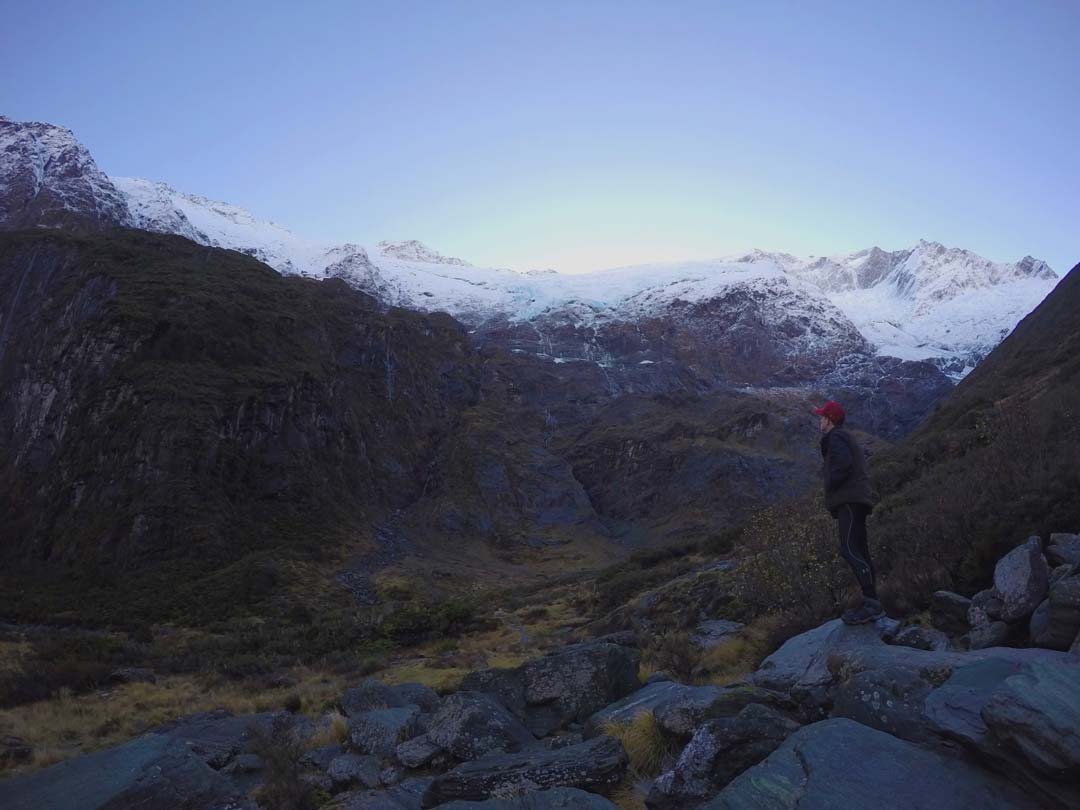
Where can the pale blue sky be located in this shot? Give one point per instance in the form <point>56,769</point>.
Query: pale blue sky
<point>579,135</point>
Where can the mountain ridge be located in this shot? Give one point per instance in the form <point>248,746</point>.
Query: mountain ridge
<point>945,305</point>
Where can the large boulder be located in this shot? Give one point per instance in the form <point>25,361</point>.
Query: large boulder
<point>151,772</point>
<point>565,686</point>
<point>595,765</point>
<point>679,709</point>
<point>986,606</point>
<point>418,752</point>
<point>348,769</point>
<point>1058,622</point>
<point>1031,700</point>
<point>1063,548</point>
<point>719,751</point>
<point>986,634</point>
<point>1021,578</point>
<point>1037,713</point>
<point>921,638</point>
<point>840,763</point>
<point>471,724</point>
<point>380,731</point>
<point>217,736</point>
<point>373,694</point>
<point>889,699</point>
<point>405,796</point>
<point>554,799</point>
<point>810,665</point>
<point>949,612</point>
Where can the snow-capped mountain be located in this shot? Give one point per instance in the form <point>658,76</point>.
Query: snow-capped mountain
<point>49,179</point>
<point>929,302</point>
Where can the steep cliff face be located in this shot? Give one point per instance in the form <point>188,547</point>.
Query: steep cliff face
<point>159,398</point>
<point>167,403</point>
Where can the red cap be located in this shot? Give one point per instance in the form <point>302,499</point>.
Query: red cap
<point>833,411</point>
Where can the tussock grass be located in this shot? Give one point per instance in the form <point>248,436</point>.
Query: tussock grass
<point>628,795</point>
<point>69,725</point>
<point>335,731</point>
<point>644,742</point>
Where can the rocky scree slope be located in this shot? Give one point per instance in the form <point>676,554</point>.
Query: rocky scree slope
<point>836,715</point>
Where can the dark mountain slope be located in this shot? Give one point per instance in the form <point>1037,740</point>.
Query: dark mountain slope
<point>161,400</point>
<point>998,459</point>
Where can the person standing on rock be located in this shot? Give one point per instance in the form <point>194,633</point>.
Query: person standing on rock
<point>849,499</point>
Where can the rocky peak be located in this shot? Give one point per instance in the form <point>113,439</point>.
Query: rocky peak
<point>413,250</point>
<point>48,179</point>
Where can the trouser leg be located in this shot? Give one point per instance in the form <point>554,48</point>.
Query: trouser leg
<point>853,546</point>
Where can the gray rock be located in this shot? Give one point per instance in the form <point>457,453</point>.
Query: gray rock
<point>840,763</point>
<point>808,665</point>
<point>405,796</point>
<point>471,724</point>
<point>391,775</point>
<point>367,695</point>
<point>954,709</point>
<point>1037,713</point>
<point>372,694</point>
<point>679,709</point>
<point>348,770</point>
<point>321,758</point>
<point>319,780</point>
<point>718,752</point>
<point>624,638</point>
<point>986,606</point>
<point>417,752</point>
<point>1075,648</point>
<point>1039,622</point>
<point>244,764</point>
<point>985,635</point>
<point>151,772</point>
<point>922,638</point>
<point>1063,548</point>
<point>1061,623</point>
<point>380,731</point>
<point>949,612</point>
<point>133,675</point>
<point>568,685</point>
<point>889,700</point>
<point>655,698</point>
<point>595,765</point>
<point>1062,572</point>
<point>554,799</point>
<point>1021,579</point>
<point>217,736</point>
<point>714,632</point>
<point>418,695</point>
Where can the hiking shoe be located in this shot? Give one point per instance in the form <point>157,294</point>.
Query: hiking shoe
<point>868,611</point>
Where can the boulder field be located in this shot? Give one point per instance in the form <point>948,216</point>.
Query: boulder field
<point>839,716</point>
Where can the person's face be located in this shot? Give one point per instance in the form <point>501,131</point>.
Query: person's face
<point>824,423</point>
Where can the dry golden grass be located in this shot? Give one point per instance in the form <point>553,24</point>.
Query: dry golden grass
<point>737,656</point>
<point>628,796</point>
<point>644,743</point>
<point>68,725</point>
<point>441,680</point>
<point>336,730</point>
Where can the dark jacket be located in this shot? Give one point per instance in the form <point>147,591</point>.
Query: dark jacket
<point>843,471</point>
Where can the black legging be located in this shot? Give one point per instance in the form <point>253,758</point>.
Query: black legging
<point>852,523</point>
